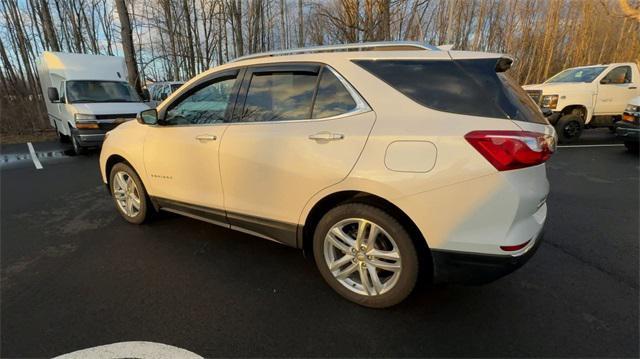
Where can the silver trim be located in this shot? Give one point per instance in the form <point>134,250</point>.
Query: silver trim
<point>361,107</point>
<point>341,47</point>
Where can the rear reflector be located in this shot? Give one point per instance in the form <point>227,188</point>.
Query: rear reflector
<point>515,248</point>
<point>510,150</point>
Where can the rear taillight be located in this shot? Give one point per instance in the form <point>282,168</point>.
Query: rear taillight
<point>510,150</point>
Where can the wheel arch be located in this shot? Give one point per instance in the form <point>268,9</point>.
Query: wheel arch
<point>306,230</point>
<point>570,108</point>
<point>112,160</point>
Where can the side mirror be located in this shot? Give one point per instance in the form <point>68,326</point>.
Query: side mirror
<point>53,95</point>
<point>148,117</point>
<point>145,95</point>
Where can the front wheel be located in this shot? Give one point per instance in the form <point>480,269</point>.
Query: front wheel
<point>569,128</point>
<point>129,194</point>
<point>77,148</point>
<point>365,255</point>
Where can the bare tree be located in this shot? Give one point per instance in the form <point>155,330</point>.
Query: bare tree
<point>127,45</point>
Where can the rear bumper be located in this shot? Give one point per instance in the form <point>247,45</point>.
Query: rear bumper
<point>471,268</point>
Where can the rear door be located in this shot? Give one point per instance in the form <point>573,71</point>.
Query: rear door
<point>297,128</point>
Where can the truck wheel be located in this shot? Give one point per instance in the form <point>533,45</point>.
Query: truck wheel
<point>632,146</point>
<point>569,128</point>
<point>77,149</point>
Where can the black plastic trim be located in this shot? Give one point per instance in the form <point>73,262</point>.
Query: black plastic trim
<point>281,232</point>
<point>472,268</point>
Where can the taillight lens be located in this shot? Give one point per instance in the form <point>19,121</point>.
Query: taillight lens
<point>510,150</point>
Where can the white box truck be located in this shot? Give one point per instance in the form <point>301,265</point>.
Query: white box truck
<point>86,96</point>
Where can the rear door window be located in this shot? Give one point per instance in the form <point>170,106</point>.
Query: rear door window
<point>469,87</point>
<point>279,95</point>
<point>332,98</point>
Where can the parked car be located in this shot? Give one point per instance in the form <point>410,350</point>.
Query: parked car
<point>629,127</point>
<point>86,96</point>
<point>159,91</point>
<point>587,97</point>
<point>377,163</point>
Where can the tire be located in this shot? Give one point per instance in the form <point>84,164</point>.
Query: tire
<point>632,146</point>
<point>77,149</point>
<point>393,240</point>
<point>125,173</point>
<point>569,128</point>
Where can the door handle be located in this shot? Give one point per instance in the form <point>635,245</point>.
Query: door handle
<point>204,138</point>
<point>326,136</point>
<point>632,87</point>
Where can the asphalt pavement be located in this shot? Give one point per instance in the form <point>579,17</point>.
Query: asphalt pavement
<point>74,275</point>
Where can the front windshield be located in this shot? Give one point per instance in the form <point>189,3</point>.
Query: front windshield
<point>580,74</point>
<point>100,91</point>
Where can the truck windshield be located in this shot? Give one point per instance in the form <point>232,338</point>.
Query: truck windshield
<point>580,74</point>
<point>100,91</point>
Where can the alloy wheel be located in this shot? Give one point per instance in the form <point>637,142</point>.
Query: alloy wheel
<point>126,194</point>
<point>362,256</point>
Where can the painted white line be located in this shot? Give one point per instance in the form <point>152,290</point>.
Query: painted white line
<point>143,350</point>
<point>34,157</point>
<point>577,146</point>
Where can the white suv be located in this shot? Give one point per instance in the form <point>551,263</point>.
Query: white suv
<point>383,161</point>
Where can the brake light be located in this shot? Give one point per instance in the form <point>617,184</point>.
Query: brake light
<point>510,150</point>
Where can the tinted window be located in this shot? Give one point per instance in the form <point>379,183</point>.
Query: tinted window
<point>619,75</point>
<point>469,87</point>
<point>332,98</point>
<point>279,96</point>
<point>206,105</point>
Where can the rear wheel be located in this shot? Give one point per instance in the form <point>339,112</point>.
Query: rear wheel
<point>569,128</point>
<point>365,255</point>
<point>129,194</point>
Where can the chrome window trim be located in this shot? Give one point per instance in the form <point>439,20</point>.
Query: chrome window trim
<point>361,107</point>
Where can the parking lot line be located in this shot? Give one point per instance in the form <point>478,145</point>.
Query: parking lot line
<point>609,145</point>
<point>34,157</point>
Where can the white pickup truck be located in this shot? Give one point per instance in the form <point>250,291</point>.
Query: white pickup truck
<point>586,97</point>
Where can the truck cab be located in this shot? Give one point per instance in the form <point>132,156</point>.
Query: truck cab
<point>86,96</point>
<point>586,97</point>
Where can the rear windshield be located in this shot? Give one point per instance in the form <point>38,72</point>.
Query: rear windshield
<point>469,87</point>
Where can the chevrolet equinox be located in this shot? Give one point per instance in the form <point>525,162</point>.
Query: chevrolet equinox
<point>383,161</point>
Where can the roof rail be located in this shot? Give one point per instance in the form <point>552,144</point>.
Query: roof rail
<point>342,47</point>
